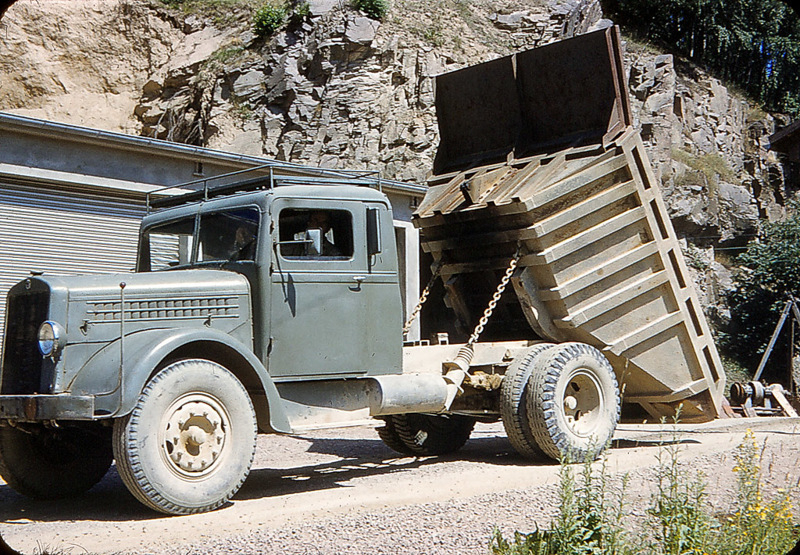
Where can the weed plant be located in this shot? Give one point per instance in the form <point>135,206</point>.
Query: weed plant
<point>679,519</point>
<point>271,16</point>
<point>759,527</point>
<point>376,9</point>
<point>589,519</point>
<point>268,18</point>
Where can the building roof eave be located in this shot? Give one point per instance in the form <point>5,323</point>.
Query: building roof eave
<point>790,133</point>
<point>35,126</point>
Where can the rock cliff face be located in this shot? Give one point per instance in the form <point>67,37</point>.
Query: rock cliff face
<point>338,89</point>
<point>82,62</point>
<point>341,90</point>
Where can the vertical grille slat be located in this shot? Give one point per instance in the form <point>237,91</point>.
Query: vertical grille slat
<point>22,362</point>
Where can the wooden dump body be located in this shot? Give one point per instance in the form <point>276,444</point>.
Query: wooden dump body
<point>568,187</point>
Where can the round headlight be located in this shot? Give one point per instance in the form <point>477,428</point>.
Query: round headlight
<point>50,336</point>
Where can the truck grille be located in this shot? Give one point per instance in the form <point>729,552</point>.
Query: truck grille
<point>22,362</point>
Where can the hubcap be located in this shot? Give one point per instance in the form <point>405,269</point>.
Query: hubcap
<point>583,403</point>
<point>195,430</point>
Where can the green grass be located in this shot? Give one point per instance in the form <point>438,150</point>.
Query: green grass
<point>223,13</point>
<point>376,9</point>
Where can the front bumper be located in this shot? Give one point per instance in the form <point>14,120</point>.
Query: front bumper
<point>36,408</point>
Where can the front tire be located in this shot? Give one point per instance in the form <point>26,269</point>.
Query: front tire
<point>574,403</point>
<point>54,463</point>
<point>188,445</point>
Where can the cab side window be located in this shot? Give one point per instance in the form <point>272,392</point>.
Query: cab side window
<point>335,226</point>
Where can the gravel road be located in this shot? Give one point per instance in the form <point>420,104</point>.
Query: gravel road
<point>343,491</point>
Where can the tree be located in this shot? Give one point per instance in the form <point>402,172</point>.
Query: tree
<point>752,43</point>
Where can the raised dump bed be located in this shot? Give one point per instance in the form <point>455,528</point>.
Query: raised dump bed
<point>538,159</point>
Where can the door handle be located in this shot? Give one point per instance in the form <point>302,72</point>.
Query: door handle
<point>359,280</point>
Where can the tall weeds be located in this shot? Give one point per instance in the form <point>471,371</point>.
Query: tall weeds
<point>679,521</point>
<point>589,519</point>
<point>759,526</point>
<point>679,517</point>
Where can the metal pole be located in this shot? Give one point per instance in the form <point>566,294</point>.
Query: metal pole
<point>791,355</point>
<point>763,363</point>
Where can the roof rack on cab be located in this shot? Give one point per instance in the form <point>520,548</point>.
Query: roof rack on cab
<point>265,176</point>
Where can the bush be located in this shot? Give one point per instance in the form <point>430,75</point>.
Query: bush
<point>268,19</point>
<point>376,9</point>
<point>302,11</point>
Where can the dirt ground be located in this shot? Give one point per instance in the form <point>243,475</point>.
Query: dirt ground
<point>343,491</point>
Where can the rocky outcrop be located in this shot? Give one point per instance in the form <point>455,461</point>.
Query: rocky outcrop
<point>339,89</point>
<point>709,149</point>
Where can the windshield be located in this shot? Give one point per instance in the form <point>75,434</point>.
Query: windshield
<point>167,245</point>
<point>227,236</point>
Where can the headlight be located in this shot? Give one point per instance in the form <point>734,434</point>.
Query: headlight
<point>50,338</point>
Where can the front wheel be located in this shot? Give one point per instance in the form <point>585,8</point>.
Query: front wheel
<point>58,462</point>
<point>188,444</point>
<point>573,402</point>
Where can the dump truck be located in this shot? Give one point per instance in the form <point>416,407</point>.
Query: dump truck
<point>270,303</point>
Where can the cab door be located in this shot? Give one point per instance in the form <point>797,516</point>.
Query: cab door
<point>318,306</point>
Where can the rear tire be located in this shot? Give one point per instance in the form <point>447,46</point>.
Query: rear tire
<point>513,401</point>
<point>574,403</point>
<point>54,463</point>
<point>389,436</point>
<point>188,444</point>
<point>432,434</point>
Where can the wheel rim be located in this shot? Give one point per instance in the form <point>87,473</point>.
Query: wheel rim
<point>194,434</point>
<point>583,403</point>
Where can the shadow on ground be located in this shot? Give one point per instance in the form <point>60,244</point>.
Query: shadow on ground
<point>355,458</point>
<point>110,501</point>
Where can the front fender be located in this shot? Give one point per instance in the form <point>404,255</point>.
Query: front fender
<point>143,352</point>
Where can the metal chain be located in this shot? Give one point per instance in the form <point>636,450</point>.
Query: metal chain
<point>422,299</point>
<point>495,298</point>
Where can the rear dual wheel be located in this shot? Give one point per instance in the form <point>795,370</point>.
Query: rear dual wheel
<point>571,402</point>
<point>514,393</point>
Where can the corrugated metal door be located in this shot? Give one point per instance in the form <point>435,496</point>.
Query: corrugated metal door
<point>63,232</point>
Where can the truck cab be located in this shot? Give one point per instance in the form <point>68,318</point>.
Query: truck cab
<point>263,308</point>
<point>338,303</point>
